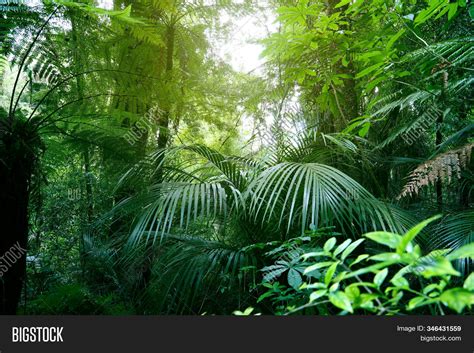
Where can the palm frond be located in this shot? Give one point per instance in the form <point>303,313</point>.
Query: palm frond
<point>312,196</point>
<point>452,232</point>
<point>177,204</point>
<point>189,272</point>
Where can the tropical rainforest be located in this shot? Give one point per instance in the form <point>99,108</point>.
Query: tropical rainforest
<point>225,157</point>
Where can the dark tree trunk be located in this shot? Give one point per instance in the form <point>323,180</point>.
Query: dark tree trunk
<point>163,136</point>
<point>439,138</point>
<point>17,160</point>
<point>162,142</point>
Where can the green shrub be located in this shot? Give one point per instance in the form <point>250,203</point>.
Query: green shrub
<point>74,300</point>
<point>339,279</point>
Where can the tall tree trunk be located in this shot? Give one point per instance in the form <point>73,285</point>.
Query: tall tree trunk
<point>439,138</point>
<point>164,122</point>
<point>78,60</point>
<point>18,154</point>
<point>162,142</point>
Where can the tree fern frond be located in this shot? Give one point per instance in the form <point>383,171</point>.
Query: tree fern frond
<point>443,167</point>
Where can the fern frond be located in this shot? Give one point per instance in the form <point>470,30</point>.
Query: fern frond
<point>444,167</point>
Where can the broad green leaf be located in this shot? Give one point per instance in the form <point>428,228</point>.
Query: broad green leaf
<point>453,8</point>
<point>457,299</point>
<point>368,269</point>
<point>341,247</point>
<point>330,273</point>
<point>469,282</point>
<point>466,251</point>
<point>313,254</point>
<point>366,301</point>
<point>352,292</point>
<point>431,287</point>
<point>317,294</point>
<point>400,282</point>
<point>369,69</point>
<point>247,312</point>
<point>294,278</point>
<point>438,267</point>
<point>317,285</point>
<point>342,3</point>
<point>318,266</point>
<point>341,300</point>
<point>386,238</point>
<point>334,287</point>
<point>265,295</point>
<point>359,259</point>
<point>330,244</point>
<point>386,256</point>
<point>394,38</point>
<point>412,233</point>
<point>365,129</point>
<point>415,302</point>
<point>380,277</point>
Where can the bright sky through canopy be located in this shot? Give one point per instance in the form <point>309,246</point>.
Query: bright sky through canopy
<point>242,50</point>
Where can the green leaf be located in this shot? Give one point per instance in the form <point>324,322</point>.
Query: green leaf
<point>431,287</point>
<point>412,233</point>
<point>453,8</point>
<point>330,273</point>
<point>264,295</point>
<point>341,247</point>
<point>386,256</point>
<point>330,244</point>
<point>365,129</point>
<point>317,266</point>
<point>438,267</point>
<point>317,294</point>
<point>340,300</point>
<point>466,251</point>
<point>369,70</point>
<point>334,287</point>
<point>380,277</point>
<point>359,259</point>
<point>294,278</point>
<point>247,312</point>
<point>469,282</point>
<point>386,238</point>
<point>352,292</point>
<point>342,3</point>
<point>415,302</point>
<point>316,285</point>
<point>394,38</point>
<point>457,299</point>
<point>351,248</point>
<point>366,301</point>
<point>400,282</point>
<point>313,254</point>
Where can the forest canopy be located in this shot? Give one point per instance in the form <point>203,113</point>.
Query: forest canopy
<point>236,157</point>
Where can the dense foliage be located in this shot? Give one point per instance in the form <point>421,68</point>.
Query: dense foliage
<point>144,174</point>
